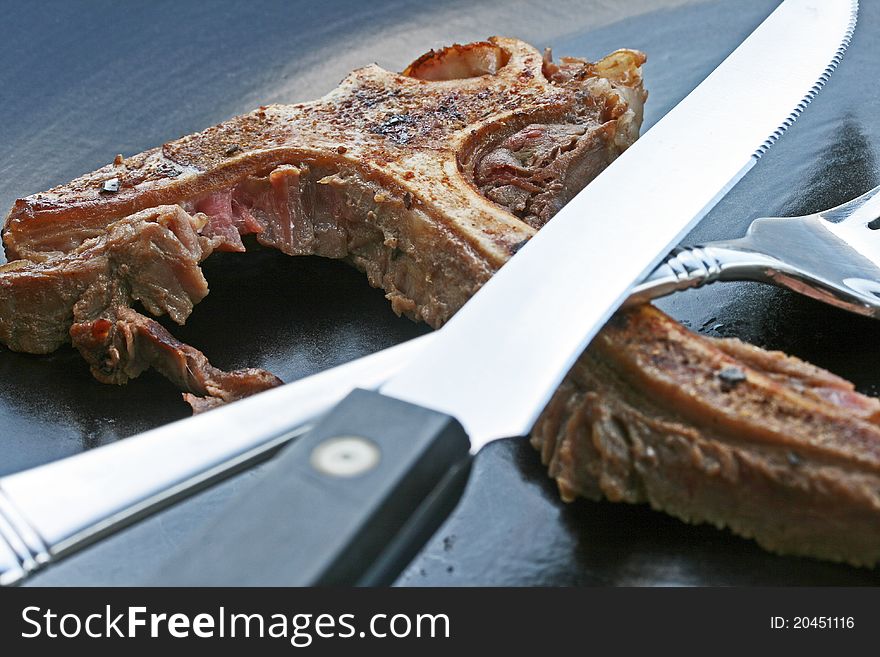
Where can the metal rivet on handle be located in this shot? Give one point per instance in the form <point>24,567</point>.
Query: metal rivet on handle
<point>345,456</point>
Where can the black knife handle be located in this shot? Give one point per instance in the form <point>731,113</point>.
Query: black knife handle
<point>350,502</point>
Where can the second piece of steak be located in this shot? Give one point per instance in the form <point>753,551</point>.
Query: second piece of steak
<point>718,431</point>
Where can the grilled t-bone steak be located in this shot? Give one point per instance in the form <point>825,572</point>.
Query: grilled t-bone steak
<point>382,171</point>
<point>429,181</point>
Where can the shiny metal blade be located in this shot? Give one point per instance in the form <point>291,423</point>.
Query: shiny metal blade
<point>57,508</point>
<point>496,363</point>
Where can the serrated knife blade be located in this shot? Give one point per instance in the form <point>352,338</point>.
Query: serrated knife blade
<point>496,363</point>
<point>351,501</point>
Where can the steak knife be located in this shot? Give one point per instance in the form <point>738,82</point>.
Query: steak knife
<point>351,500</point>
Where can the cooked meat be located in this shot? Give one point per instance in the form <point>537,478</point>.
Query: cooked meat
<point>428,182</point>
<point>722,432</point>
<point>380,172</point>
<point>123,343</point>
<point>83,296</point>
<point>151,256</point>
<point>538,169</point>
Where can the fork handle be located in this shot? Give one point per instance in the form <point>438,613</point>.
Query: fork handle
<point>695,266</point>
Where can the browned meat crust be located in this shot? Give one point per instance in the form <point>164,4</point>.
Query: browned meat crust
<point>398,131</point>
<point>721,432</point>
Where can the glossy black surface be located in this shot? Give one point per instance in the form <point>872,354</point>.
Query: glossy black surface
<point>92,79</point>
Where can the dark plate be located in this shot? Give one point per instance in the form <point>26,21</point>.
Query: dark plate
<point>84,81</point>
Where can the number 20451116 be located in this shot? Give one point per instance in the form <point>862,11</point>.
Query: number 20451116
<point>812,622</point>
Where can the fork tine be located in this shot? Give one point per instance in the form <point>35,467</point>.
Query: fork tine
<point>861,210</point>
<point>856,225</point>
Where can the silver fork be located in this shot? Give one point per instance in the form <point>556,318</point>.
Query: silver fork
<point>832,256</point>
